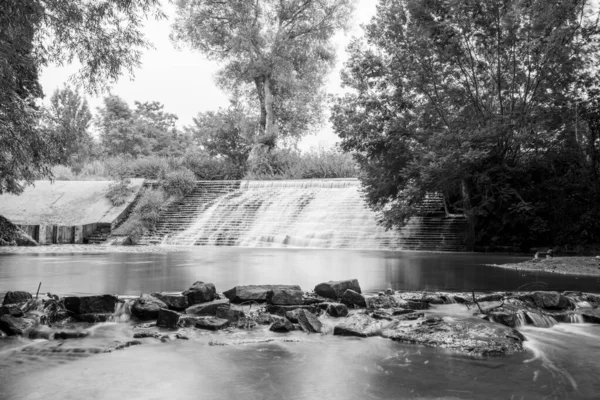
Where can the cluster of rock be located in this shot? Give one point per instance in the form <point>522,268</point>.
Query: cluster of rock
<point>489,329</point>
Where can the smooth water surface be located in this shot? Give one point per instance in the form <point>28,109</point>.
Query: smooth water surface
<point>559,362</point>
<point>133,273</point>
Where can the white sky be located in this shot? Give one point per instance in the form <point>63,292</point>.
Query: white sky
<point>183,80</point>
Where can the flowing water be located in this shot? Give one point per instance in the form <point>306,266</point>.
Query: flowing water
<point>560,362</point>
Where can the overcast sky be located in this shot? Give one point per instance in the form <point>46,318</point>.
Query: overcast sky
<point>183,80</point>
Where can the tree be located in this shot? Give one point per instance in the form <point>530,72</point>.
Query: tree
<point>104,36</point>
<point>146,130</point>
<point>468,98</point>
<point>65,121</point>
<point>279,50</point>
<point>226,133</point>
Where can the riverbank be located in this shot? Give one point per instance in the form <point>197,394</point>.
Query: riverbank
<point>589,266</point>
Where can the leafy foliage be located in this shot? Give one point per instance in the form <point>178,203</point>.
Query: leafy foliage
<point>476,100</point>
<point>179,183</point>
<point>119,191</point>
<point>277,53</point>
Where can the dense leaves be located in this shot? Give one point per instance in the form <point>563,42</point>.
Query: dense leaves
<point>477,100</point>
<point>276,53</point>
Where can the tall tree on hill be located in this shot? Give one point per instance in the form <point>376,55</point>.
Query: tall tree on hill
<point>279,49</point>
<point>471,98</point>
<point>104,36</point>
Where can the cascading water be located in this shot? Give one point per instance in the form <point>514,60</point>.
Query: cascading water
<point>302,213</point>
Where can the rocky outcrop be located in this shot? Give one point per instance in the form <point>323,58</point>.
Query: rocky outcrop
<point>352,298</point>
<point>200,292</point>
<point>309,321</point>
<point>470,336</point>
<point>167,318</point>
<point>147,307</point>
<point>256,293</point>
<point>361,325</point>
<point>548,300</point>
<point>16,297</point>
<point>285,296</point>
<point>173,301</point>
<point>335,289</point>
<point>209,308</point>
<point>102,304</point>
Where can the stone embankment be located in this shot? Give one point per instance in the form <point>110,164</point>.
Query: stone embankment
<point>479,324</point>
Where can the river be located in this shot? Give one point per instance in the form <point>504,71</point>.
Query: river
<point>560,362</point>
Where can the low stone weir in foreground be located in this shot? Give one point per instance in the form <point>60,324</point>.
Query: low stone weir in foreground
<point>470,323</point>
<point>302,213</point>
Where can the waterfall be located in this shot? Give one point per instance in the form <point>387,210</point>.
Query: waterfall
<point>324,213</point>
<point>122,311</point>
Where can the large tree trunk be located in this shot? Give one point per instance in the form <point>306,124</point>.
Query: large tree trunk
<point>268,129</point>
<point>469,214</point>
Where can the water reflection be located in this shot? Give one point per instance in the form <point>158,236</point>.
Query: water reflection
<point>134,273</point>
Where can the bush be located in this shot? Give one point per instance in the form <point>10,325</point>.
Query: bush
<point>93,169</point>
<point>149,205</point>
<point>211,168</point>
<point>291,164</point>
<point>119,168</point>
<point>119,191</point>
<point>179,182</point>
<point>150,167</point>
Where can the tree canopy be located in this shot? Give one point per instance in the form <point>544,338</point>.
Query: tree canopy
<point>277,52</point>
<point>103,36</point>
<point>477,100</point>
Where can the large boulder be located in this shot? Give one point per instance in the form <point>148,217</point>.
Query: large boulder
<point>15,326</point>
<point>147,307</point>
<point>174,301</point>
<point>16,297</point>
<point>472,336</point>
<point>167,318</point>
<point>352,298</point>
<point>335,289</point>
<point>282,310</point>
<point>209,308</point>
<point>200,292</point>
<point>309,321</point>
<point>548,300</point>
<point>102,304</point>
<point>285,296</point>
<point>229,314</point>
<point>361,325</point>
<point>255,293</point>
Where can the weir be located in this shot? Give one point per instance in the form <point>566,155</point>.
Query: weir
<point>327,213</point>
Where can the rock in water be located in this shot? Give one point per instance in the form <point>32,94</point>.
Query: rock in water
<point>15,326</point>
<point>177,302</point>
<point>282,326</point>
<point>209,308</point>
<point>284,296</point>
<point>548,300</point>
<point>12,309</point>
<point>167,318</point>
<point>200,292</point>
<point>337,310</point>
<point>212,323</point>
<point>360,325</point>
<point>103,304</point>
<point>335,289</point>
<point>230,314</point>
<point>309,321</point>
<point>471,336</point>
<point>16,297</point>
<point>352,298</point>
<point>257,293</point>
<point>147,307</point>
